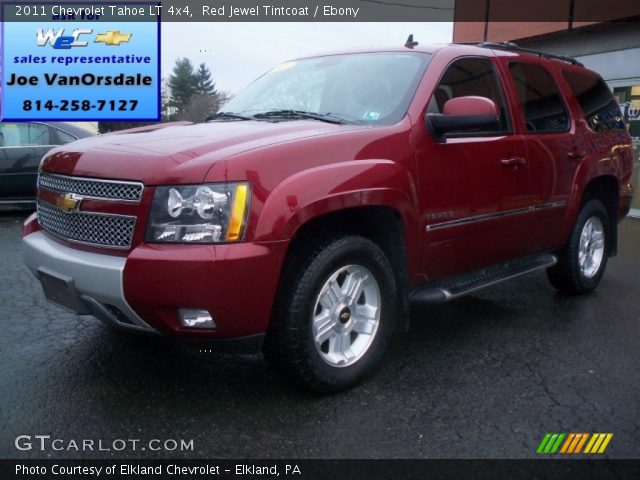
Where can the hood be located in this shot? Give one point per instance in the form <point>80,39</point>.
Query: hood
<point>178,153</point>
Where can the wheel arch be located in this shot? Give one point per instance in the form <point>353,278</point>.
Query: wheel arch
<point>605,188</point>
<point>328,188</point>
<point>381,224</point>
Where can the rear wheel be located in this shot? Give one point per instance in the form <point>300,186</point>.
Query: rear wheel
<point>335,314</point>
<point>582,261</point>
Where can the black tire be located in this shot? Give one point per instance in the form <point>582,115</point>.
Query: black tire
<point>290,345</point>
<point>567,275</point>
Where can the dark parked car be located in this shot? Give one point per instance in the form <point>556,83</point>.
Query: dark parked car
<point>22,146</point>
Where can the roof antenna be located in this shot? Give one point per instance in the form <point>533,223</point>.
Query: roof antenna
<point>410,43</point>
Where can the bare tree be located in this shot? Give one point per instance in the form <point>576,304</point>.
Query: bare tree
<point>198,108</point>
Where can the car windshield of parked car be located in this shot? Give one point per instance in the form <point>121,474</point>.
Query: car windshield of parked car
<point>368,88</point>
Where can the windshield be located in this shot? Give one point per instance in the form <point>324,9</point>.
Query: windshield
<point>373,88</point>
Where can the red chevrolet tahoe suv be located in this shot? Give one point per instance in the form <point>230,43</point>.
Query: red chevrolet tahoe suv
<point>330,194</point>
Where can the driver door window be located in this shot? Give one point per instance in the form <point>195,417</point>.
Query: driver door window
<point>471,77</point>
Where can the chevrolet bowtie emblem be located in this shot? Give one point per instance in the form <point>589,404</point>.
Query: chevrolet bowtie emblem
<point>112,37</point>
<point>68,202</point>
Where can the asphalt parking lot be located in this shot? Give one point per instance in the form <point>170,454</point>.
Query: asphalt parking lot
<point>482,377</point>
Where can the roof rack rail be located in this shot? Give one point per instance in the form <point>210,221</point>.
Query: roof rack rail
<point>514,47</point>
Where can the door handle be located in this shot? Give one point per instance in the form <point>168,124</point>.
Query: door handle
<point>513,162</point>
<point>575,155</point>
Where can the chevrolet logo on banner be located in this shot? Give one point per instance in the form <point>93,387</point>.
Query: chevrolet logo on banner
<point>68,202</point>
<point>112,38</point>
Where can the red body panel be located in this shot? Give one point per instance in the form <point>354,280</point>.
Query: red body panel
<point>236,283</point>
<point>303,169</point>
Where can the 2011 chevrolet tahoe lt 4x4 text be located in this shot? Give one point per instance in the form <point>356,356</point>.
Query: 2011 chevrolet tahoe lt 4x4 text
<point>332,192</point>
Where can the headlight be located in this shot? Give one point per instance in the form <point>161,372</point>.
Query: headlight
<point>210,213</point>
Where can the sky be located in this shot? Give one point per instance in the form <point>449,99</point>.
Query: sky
<point>237,53</point>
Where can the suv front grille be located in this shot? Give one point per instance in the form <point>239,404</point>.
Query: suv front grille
<point>105,230</point>
<point>92,187</point>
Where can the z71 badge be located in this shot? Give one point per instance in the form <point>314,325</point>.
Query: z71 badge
<point>440,215</point>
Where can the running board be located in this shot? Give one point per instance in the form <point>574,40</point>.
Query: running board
<point>460,285</point>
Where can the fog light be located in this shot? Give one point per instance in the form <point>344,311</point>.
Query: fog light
<point>196,318</point>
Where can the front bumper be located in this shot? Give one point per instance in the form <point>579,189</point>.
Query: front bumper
<point>144,291</point>
<point>94,280</point>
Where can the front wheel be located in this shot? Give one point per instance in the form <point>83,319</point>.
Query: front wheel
<point>335,314</point>
<point>582,261</point>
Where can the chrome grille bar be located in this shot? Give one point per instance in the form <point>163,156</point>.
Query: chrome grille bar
<point>99,229</point>
<point>92,187</point>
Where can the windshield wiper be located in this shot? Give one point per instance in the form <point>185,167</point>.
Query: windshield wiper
<point>293,114</point>
<point>226,116</point>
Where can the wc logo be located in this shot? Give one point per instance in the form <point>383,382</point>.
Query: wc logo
<point>60,41</point>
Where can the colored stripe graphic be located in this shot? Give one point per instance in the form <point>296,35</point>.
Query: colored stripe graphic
<point>565,447</point>
<point>598,443</point>
<point>573,443</point>
<point>543,443</point>
<point>591,443</point>
<point>550,443</point>
<point>577,438</point>
<point>581,442</point>
<point>605,444</point>
<point>556,445</point>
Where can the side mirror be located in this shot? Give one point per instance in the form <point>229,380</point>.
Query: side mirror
<point>463,114</point>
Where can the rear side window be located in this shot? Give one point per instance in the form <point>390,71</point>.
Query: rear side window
<point>598,105</point>
<point>23,134</point>
<point>470,77</point>
<point>62,137</point>
<point>39,134</point>
<point>540,99</point>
